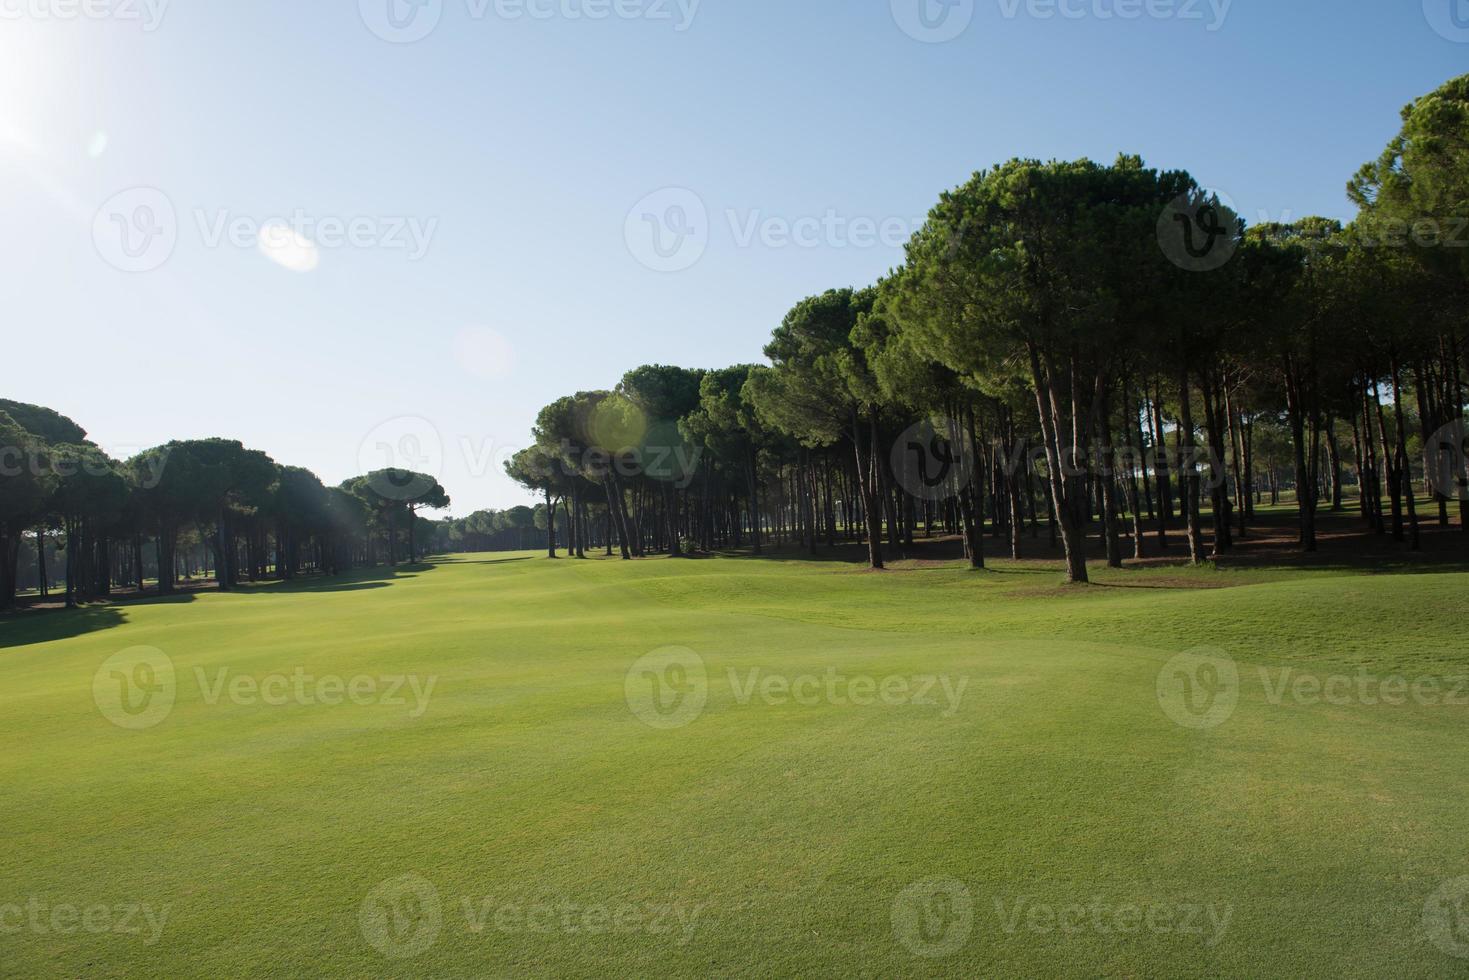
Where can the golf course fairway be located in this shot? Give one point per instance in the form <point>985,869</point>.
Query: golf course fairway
<point>501,764</point>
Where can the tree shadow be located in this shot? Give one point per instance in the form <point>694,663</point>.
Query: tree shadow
<point>31,626</point>
<point>356,580</point>
<point>484,561</point>
<point>43,624</point>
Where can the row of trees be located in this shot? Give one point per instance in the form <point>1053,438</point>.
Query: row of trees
<point>121,522</point>
<point>1090,346</point>
<point>516,529</point>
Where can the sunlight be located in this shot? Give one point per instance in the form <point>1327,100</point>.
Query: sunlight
<point>288,248</point>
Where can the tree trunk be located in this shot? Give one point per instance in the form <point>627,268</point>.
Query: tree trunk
<point>1189,470</point>
<point>867,487</point>
<point>1405,468</point>
<point>1160,467</point>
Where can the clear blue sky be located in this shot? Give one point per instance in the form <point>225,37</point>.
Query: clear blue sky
<point>523,143</point>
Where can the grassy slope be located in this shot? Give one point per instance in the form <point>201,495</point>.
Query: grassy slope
<point>1059,780</point>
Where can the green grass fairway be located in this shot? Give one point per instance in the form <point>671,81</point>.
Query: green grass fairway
<point>1052,819</point>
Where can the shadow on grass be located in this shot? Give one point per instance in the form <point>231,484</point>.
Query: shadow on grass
<point>1345,544</point>
<point>30,626</point>
<point>42,625</point>
<point>479,561</point>
<point>357,580</point>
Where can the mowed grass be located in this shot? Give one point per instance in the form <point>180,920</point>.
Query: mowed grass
<point>562,836</point>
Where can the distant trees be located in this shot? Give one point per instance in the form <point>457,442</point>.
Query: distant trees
<point>241,512</point>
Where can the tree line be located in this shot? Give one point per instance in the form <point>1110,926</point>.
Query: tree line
<point>173,509</point>
<point>1098,350</point>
